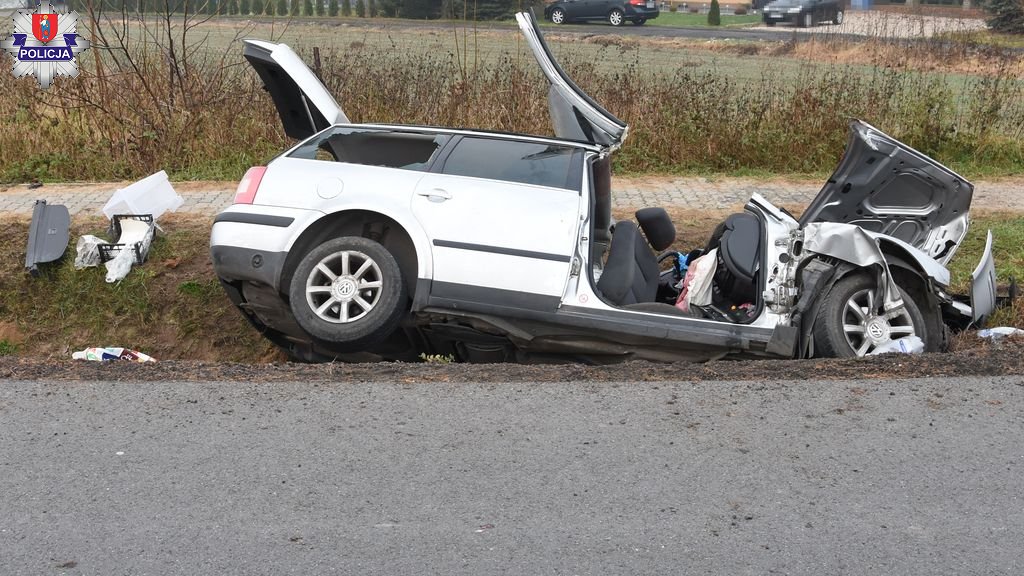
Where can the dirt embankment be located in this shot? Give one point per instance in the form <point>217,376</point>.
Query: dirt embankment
<point>173,308</point>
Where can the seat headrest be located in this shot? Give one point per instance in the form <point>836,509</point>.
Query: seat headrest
<point>657,227</point>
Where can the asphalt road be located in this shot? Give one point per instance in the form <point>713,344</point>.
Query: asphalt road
<point>831,478</point>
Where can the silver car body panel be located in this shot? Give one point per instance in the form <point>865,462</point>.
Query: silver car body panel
<point>887,187</point>
<point>983,284</point>
<point>852,244</point>
<point>574,114</point>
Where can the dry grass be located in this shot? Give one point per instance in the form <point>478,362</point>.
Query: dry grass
<point>205,116</point>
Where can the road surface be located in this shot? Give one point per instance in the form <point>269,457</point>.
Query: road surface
<point>817,478</point>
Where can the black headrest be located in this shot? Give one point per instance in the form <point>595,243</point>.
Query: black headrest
<point>657,227</point>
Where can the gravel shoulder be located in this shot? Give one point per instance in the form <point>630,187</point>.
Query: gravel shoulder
<point>986,359</point>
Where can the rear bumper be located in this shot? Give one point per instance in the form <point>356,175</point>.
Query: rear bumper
<point>638,12</point>
<point>781,17</point>
<point>251,242</point>
<point>233,263</point>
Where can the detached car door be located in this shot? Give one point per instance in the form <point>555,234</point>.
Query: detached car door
<point>502,217</point>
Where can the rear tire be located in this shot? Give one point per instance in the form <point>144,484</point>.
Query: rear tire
<point>849,324</point>
<point>348,291</point>
<point>640,21</point>
<point>616,17</point>
<point>769,24</point>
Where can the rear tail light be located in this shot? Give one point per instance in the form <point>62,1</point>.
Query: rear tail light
<point>246,192</point>
<point>638,2</point>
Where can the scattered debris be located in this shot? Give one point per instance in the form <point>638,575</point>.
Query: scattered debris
<point>134,236</point>
<point>905,345</point>
<point>152,195</point>
<point>1000,332</point>
<point>35,184</point>
<point>112,353</point>
<point>87,252</point>
<point>47,235</point>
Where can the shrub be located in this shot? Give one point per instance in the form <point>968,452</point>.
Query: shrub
<point>1006,16</point>
<point>332,8</point>
<point>740,10</point>
<point>346,8</point>
<point>715,14</point>
<point>360,9</point>
<point>672,8</point>
<point>694,9</point>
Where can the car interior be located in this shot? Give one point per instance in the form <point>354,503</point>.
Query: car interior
<point>635,268</point>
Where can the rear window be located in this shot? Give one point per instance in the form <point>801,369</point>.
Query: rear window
<point>524,162</point>
<point>406,150</point>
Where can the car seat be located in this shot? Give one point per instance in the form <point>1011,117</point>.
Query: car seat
<point>738,240</point>
<point>631,274</point>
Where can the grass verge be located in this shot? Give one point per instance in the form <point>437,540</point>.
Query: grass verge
<point>172,307</point>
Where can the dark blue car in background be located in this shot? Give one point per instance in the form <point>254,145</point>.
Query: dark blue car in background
<point>615,12</point>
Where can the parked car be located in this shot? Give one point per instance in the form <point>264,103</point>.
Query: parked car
<point>615,12</point>
<point>384,241</point>
<point>804,13</point>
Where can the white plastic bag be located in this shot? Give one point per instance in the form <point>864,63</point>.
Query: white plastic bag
<point>1000,332</point>
<point>87,252</point>
<point>120,265</point>
<point>111,353</point>
<point>905,345</point>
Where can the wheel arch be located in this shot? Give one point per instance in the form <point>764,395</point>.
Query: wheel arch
<point>404,241</point>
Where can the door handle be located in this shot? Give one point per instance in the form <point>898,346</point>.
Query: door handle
<point>435,194</point>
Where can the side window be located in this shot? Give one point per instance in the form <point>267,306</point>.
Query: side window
<point>524,162</point>
<point>407,150</point>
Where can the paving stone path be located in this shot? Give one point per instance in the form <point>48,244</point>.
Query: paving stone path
<point>629,192</point>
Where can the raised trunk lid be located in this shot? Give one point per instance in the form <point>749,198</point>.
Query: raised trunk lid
<point>302,101</point>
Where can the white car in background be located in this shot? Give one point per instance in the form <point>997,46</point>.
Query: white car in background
<point>376,241</point>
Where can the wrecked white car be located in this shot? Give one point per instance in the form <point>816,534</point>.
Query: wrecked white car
<point>370,241</point>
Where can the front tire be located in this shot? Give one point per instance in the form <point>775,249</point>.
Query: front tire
<point>850,321</point>
<point>348,291</point>
<point>558,16</point>
<point>769,23</point>
<point>616,17</point>
<point>837,19</point>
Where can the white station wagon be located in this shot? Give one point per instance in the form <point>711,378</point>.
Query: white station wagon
<point>375,241</point>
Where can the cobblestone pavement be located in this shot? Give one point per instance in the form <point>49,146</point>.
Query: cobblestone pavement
<point>629,192</point>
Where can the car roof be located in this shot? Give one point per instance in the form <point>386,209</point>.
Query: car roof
<point>473,132</point>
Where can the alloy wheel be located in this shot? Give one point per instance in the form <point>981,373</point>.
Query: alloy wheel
<point>558,16</point>
<point>615,18</point>
<point>866,329</point>
<point>344,286</point>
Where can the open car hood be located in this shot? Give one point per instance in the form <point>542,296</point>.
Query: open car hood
<point>574,115</point>
<point>302,101</point>
<point>885,186</point>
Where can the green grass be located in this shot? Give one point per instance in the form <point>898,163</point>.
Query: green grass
<point>1007,249</point>
<point>8,348</point>
<point>986,38</point>
<point>689,20</point>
